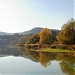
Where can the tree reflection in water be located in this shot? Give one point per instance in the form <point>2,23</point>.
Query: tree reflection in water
<point>66,60</point>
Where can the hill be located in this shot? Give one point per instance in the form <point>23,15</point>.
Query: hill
<point>32,31</point>
<point>29,32</point>
<point>37,30</point>
<point>4,33</point>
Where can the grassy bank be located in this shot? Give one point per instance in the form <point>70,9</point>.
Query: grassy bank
<point>49,48</point>
<point>52,50</point>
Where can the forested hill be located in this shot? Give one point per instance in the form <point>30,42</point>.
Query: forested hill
<point>32,31</point>
<point>4,33</point>
<point>37,30</point>
<point>7,39</point>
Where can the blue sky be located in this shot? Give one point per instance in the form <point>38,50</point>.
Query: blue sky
<point>23,15</point>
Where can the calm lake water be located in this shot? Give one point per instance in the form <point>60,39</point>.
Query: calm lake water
<point>21,61</point>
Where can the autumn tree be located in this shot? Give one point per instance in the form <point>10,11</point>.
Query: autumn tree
<point>45,36</point>
<point>67,33</point>
<point>34,39</point>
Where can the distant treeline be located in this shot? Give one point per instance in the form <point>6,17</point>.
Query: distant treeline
<point>8,40</point>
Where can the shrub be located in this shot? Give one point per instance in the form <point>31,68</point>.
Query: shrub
<point>53,46</point>
<point>62,46</point>
<point>71,47</point>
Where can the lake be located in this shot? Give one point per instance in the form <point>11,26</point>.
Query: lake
<point>24,62</point>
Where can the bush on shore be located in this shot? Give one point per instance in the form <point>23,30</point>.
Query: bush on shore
<point>64,46</point>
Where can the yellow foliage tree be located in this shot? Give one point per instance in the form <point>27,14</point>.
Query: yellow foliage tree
<point>45,36</point>
<point>67,33</point>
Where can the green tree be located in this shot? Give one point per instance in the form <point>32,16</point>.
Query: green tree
<point>34,39</point>
<point>45,36</point>
<point>67,33</point>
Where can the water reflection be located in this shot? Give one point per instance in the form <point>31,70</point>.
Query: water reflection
<point>66,60</point>
<point>46,59</point>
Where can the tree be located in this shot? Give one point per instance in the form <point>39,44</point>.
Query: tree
<point>34,39</point>
<point>23,39</point>
<point>45,36</point>
<point>67,33</point>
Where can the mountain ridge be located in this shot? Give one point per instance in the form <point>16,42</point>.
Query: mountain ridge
<point>5,33</point>
<point>32,31</point>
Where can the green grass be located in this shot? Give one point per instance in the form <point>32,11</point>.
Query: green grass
<point>52,50</point>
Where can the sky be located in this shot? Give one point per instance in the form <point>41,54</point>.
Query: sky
<point>23,15</point>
